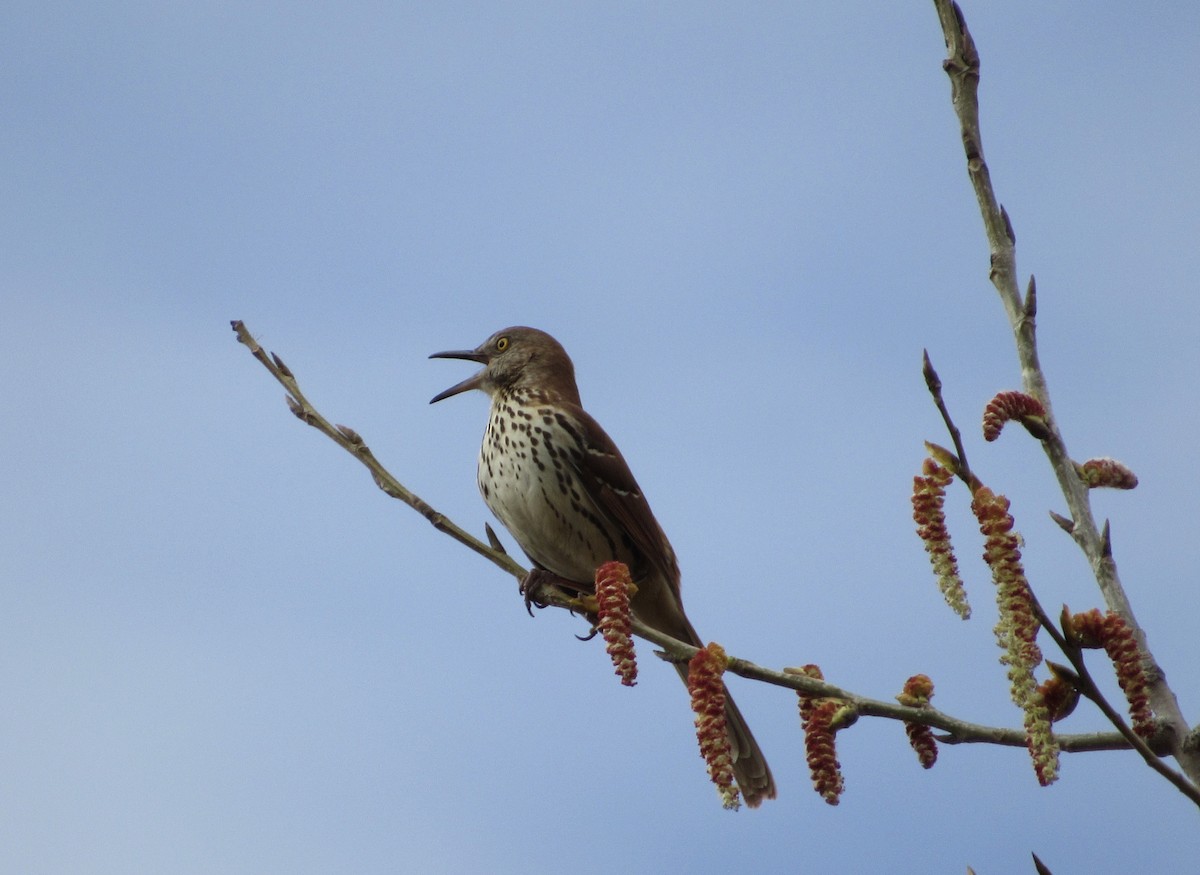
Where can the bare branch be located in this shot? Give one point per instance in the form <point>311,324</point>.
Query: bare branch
<point>934,384</point>
<point>351,442</point>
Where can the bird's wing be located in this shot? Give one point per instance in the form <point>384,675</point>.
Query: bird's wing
<point>614,492</point>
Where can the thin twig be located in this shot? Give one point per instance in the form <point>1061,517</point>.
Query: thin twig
<point>350,441</point>
<point>934,383</point>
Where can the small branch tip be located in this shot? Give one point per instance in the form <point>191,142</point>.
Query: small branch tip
<point>350,435</point>
<point>493,539</point>
<point>1008,228</point>
<point>932,381</point>
<point>283,369</point>
<point>1065,523</point>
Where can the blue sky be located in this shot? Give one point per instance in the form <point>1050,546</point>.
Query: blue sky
<point>223,650</point>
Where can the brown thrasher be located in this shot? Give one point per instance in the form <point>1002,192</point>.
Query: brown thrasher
<point>558,483</point>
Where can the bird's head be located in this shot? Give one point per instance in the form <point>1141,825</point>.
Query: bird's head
<point>517,359</point>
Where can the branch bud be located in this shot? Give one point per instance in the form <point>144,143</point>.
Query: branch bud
<point>1014,405</point>
<point>1098,473</point>
<point>928,498</point>
<point>918,690</point>
<point>708,703</point>
<point>819,717</point>
<point>614,587</point>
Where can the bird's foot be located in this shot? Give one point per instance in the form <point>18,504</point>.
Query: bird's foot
<point>540,587</point>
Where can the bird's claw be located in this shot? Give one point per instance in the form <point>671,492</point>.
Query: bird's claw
<point>541,588</point>
<point>531,588</point>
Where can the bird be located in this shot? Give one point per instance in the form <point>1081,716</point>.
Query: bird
<point>560,486</point>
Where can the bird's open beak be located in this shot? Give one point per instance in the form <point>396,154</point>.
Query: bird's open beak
<point>466,385</point>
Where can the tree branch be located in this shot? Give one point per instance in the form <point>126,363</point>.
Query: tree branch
<point>962,66</point>
<point>1083,680</point>
<point>957,731</point>
<point>351,442</point>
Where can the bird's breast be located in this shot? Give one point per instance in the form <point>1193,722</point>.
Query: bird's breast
<point>529,475</point>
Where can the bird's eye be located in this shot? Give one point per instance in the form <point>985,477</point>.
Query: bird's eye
<point>501,344</point>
